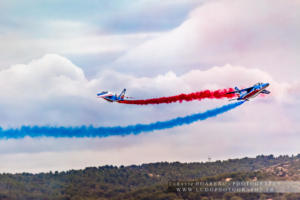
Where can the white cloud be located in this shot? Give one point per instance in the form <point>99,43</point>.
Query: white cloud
<point>53,91</point>
<point>68,38</point>
<point>248,33</point>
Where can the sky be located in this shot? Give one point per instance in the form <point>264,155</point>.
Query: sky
<point>56,55</point>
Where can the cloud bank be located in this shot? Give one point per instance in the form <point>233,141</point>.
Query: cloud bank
<point>69,56</point>
<point>255,34</point>
<point>64,96</point>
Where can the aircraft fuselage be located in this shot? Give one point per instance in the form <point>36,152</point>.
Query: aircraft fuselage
<point>254,92</point>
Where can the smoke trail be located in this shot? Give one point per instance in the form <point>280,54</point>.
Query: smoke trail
<point>91,131</point>
<point>206,94</point>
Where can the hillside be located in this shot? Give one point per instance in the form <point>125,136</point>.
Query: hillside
<point>147,181</point>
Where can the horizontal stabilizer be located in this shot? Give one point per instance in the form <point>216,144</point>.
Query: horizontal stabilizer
<point>265,92</point>
<point>102,93</point>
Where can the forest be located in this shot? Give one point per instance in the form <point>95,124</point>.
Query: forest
<point>147,181</point>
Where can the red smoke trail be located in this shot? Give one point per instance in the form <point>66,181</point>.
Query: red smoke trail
<point>206,94</point>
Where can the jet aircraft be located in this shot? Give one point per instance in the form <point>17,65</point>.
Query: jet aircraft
<point>108,96</point>
<point>251,92</point>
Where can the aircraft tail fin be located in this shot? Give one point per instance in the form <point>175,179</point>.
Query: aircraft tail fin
<point>122,94</point>
<point>237,89</point>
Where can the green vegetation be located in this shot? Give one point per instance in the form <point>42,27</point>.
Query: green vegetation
<point>147,181</point>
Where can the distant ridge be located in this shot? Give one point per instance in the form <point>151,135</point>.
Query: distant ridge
<point>146,181</point>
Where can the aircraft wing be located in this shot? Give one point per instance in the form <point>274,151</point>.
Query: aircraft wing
<point>265,92</point>
<point>246,89</point>
<point>102,93</point>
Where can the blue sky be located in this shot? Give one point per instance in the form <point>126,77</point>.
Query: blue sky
<point>42,24</point>
<point>56,55</point>
<point>121,16</point>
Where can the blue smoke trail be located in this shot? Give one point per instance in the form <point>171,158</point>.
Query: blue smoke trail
<point>90,131</point>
